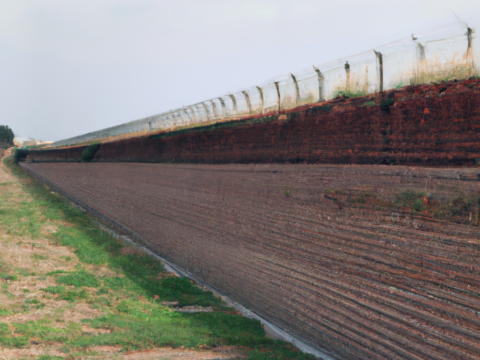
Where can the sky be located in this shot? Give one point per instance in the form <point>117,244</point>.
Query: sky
<point>68,67</point>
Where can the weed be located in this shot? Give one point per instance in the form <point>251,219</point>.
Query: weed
<point>6,276</point>
<point>412,199</point>
<point>369,103</point>
<point>102,291</point>
<point>385,104</point>
<point>89,152</point>
<point>79,279</point>
<point>318,109</point>
<point>39,257</point>
<point>67,295</point>
<point>287,193</point>
<point>4,312</point>
<point>418,205</point>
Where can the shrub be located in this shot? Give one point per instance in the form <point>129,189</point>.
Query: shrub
<point>15,155</point>
<point>90,152</point>
<point>418,205</point>
<point>386,103</point>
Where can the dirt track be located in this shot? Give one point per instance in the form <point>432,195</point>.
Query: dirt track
<point>358,281</point>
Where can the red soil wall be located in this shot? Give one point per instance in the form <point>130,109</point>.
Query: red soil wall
<point>426,125</point>
<point>361,279</point>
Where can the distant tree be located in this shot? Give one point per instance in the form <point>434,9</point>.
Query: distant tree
<point>6,134</point>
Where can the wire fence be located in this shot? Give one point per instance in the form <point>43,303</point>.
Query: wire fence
<point>441,54</point>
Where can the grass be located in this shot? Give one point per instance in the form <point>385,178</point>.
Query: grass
<point>89,152</point>
<point>122,285</point>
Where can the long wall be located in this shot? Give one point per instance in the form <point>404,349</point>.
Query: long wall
<point>424,125</point>
<point>323,251</point>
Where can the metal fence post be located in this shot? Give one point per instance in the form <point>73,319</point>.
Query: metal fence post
<point>320,83</point>
<point>224,107</point>
<point>470,61</point>
<point>365,84</point>
<point>247,98</point>
<point>422,69</point>
<point>214,106</point>
<point>347,71</point>
<point>297,90</point>
<point>199,118</point>
<point>260,90</point>
<point>234,101</point>
<point>206,110</point>
<point>193,116</point>
<point>186,113</point>
<point>278,96</point>
<point>380,69</point>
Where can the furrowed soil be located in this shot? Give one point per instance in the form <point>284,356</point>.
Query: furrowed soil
<point>367,262</point>
<point>69,290</point>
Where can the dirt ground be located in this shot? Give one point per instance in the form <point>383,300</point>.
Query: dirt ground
<point>357,278</point>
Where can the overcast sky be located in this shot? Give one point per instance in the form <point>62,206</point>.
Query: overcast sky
<point>68,67</point>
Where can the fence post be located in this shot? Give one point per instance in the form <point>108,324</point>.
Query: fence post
<point>380,69</point>
<point>422,69</point>
<point>224,107</point>
<point>278,96</point>
<point>260,90</point>
<point>470,61</point>
<point>193,116</point>
<point>365,84</point>
<point>186,113</point>
<point>207,111</point>
<point>320,84</point>
<point>214,106</point>
<point>247,98</point>
<point>347,71</point>
<point>234,101</point>
<point>297,90</point>
<point>199,118</point>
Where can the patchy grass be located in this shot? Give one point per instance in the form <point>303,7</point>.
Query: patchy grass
<point>86,292</point>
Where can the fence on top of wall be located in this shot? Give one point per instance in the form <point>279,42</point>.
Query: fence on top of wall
<point>441,54</point>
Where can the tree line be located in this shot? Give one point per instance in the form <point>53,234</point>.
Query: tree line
<point>6,134</point>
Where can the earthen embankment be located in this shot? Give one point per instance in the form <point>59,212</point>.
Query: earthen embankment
<point>324,251</point>
<point>427,125</point>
